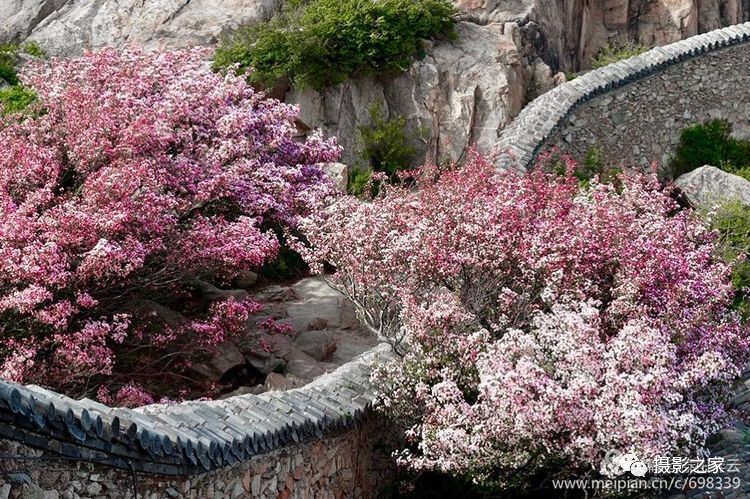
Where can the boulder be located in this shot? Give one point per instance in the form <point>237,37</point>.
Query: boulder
<point>212,293</point>
<point>318,306</point>
<point>224,358</point>
<point>318,344</point>
<point>68,27</point>
<point>246,279</point>
<point>159,313</point>
<point>303,366</point>
<point>266,366</point>
<point>276,381</point>
<point>708,186</point>
<point>351,346</point>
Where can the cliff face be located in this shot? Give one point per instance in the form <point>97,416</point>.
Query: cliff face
<point>68,27</point>
<point>463,92</point>
<point>572,30</point>
<point>575,30</point>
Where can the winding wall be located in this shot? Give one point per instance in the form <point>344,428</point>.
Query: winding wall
<point>305,442</point>
<point>635,109</point>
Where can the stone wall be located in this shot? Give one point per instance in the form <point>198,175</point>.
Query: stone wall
<point>641,123</point>
<point>320,440</point>
<point>634,110</point>
<point>341,465</point>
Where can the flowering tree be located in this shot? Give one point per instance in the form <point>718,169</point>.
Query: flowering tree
<point>537,322</point>
<point>135,174</point>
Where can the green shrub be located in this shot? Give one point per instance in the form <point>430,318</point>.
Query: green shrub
<point>385,149</point>
<point>15,99</point>
<point>386,144</point>
<point>360,182</point>
<point>617,51</point>
<point>8,57</point>
<point>32,48</point>
<point>711,144</point>
<point>732,221</point>
<point>323,42</point>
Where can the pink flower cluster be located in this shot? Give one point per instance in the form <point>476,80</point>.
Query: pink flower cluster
<point>135,174</point>
<point>537,322</point>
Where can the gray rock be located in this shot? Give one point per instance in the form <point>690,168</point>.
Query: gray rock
<point>225,357</point>
<point>318,344</point>
<point>319,305</point>
<point>18,478</point>
<point>68,27</point>
<point>94,488</point>
<point>163,314</point>
<point>339,173</point>
<point>461,93</point>
<point>211,292</point>
<point>303,366</point>
<point>31,491</point>
<point>246,279</point>
<point>255,486</point>
<point>708,186</point>
<point>5,491</point>
<point>349,347</point>
<point>276,381</point>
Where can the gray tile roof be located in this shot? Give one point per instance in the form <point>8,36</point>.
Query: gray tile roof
<point>192,436</point>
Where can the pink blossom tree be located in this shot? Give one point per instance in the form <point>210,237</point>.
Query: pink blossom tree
<point>538,324</point>
<point>133,175</point>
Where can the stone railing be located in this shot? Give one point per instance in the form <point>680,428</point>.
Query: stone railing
<point>634,110</point>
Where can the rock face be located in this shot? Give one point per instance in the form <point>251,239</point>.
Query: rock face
<point>68,27</point>
<point>461,93</point>
<point>708,186</point>
<point>568,33</point>
<point>339,174</point>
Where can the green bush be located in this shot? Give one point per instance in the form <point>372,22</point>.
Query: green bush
<point>15,99</point>
<point>386,143</point>
<point>360,182</point>
<point>617,51</point>
<point>732,221</point>
<point>385,149</point>
<point>323,42</point>
<point>32,48</point>
<point>8,57</point>
<point>711,144</point>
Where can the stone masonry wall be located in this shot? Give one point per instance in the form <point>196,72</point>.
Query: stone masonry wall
<point>321,440</point>
<point>641,122</point>
<point>343,465</point>
<point>635,109</point>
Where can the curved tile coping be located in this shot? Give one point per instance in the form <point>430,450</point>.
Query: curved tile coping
<point>522,140</point>
<point>189,437</point>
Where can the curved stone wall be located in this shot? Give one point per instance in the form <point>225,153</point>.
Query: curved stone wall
<point>635,109</point>
<point>240,438</point>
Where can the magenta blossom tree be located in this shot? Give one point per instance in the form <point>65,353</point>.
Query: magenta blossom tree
<point>135,174</point>
<point>539,325</point>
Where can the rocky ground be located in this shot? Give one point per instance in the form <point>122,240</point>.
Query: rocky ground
<point>325,334</point>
